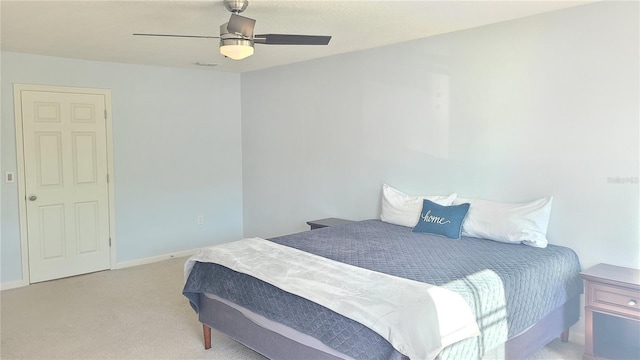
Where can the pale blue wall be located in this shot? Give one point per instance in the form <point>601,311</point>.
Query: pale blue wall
<point>545,105</point>
<point>177,153</point>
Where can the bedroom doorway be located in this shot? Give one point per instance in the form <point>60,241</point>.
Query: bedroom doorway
<point>64,162</point>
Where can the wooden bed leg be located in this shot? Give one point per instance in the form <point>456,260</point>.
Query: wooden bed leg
<point>564,337</point>
<point>206,331</point>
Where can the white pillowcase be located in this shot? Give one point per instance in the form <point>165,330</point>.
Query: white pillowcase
<point>402,209</point>
<point>512,223</point>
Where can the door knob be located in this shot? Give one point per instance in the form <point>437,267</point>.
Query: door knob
<point>32,198</point>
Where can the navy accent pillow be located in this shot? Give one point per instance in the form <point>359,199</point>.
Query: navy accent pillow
<point>441,220</point>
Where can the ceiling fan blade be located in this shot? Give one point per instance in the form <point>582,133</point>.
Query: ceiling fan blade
<point>284,39</point>
<point>180,36</point>
<point>241,25</point>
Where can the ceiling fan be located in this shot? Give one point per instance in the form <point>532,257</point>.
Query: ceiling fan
<point>237,38</point>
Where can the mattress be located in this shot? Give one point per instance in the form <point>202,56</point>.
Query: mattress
<point>508,286</point>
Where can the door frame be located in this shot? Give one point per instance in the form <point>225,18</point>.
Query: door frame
<point>22,195</point>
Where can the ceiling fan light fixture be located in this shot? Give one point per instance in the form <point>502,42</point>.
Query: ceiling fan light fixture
<point>236,49</point>
<point>237,37</point>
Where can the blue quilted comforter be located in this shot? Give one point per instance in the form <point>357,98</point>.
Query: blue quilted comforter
<point>509,287</point>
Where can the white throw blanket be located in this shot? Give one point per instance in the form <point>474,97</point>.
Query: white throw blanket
<point>418,319</point>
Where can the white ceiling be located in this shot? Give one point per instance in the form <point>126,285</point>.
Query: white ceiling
<point>102,30</point>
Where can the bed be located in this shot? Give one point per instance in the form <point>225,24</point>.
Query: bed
<point>522,297</point>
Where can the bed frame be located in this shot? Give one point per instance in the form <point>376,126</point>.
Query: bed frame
<point>231,322</point>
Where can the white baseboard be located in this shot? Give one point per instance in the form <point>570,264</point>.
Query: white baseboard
<point>120,265</point>
<point>153,259</point>
<point>13,284</point>
<point>576,338</point>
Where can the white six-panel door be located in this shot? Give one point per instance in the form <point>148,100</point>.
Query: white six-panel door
<point>65,183</point>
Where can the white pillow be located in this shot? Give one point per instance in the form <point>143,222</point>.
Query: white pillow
<point>512,223</point>
<point>402,209</point>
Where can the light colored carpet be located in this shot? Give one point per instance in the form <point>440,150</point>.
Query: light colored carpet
<point>133,313</point>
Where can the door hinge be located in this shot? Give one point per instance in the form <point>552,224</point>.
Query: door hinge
<point>105,114</point>
<point>107,178</point>
<point>109,241</point>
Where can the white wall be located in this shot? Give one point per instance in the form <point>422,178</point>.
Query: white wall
<point>177,153</point>
<point>546,105</point>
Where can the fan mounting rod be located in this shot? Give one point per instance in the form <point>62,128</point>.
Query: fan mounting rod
<point>236,6</point>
